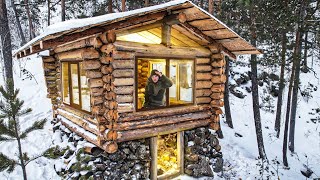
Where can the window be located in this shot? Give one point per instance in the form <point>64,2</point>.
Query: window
<point>75,90</point>
<point>175,88</point>
<point>167,153</point>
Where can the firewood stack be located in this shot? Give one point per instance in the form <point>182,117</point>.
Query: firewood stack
<point>143,73</point>
<point>52,77</point>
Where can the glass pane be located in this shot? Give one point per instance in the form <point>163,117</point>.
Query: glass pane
<point>150,94</point>
<point>65,83</point>
<point>151,36</point>
<point>85,92</point>
<point>75,83</point>
<point>181,74</point>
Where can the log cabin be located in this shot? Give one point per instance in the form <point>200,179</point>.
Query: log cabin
<point>97,69</point>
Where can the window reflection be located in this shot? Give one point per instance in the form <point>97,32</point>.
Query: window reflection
<point>65,83</point>
<point>85,93</point>
<point>75,83</point>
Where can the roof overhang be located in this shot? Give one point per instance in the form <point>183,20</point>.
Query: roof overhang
<point>198,21</point>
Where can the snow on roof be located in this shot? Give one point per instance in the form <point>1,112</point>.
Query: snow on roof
<point>88,22</point>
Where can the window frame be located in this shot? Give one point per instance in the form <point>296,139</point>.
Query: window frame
<point>167,60</point>
<point>72,104</point>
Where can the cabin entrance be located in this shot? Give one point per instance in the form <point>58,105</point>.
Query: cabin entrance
<point>167,155</point>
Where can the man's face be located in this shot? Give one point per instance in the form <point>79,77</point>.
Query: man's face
<point>155,78</point>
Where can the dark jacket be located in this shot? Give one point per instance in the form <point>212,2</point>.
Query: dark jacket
<point>154,92</point>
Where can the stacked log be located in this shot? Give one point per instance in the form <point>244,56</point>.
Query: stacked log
<point>218,79</point>
<point>143,74</point>
<point>52,77</point>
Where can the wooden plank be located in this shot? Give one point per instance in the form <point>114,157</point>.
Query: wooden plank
<point>200,34</point>
<point>194,14</point>
<point>206,24</point>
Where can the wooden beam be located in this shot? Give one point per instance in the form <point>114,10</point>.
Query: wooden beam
<point>161,50</point>
<point>200,34</point>
<point>166,34</point>
<point>150,114</point>
<point>176,119</point>
<point>167,129</point>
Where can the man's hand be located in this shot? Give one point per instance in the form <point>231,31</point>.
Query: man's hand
<point>158,73</point>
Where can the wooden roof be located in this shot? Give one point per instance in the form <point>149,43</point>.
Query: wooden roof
<point>198,22</point>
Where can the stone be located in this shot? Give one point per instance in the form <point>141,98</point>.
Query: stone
<point>192,157</point>
<point>218,166</point>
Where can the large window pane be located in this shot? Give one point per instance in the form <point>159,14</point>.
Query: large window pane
<point>65,83</point>
<point>181,74</point>
<point>85,93</point>
<point>75,83</point>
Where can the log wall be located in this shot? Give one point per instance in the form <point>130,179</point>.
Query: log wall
<point>110,69</point>
<point>51,69</point>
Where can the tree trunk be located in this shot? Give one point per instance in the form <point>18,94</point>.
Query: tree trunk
<point>305,68</point>
<point>285,135</point>
<point>281,83</point>
<point>5,40</point>
<point>63,10</point>
<point>146,3</point>
<point>48,1</point>
<point>226,96</point>
<point>297,60</point>
<point>123,5</point>
<point>109,6</point>
<point>201,4</point>
<point>31,29</point>
<point>219,132</point>
<point>22,163</point>
<point>23,39</point>
<point>210,6</point>
<point>255,91</point>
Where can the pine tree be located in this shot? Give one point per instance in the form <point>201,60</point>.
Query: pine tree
<point>10,111</point>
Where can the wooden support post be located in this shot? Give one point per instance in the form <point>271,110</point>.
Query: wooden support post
<point>166,34</point>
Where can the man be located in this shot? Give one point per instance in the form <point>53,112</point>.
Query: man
<point>155,89</point>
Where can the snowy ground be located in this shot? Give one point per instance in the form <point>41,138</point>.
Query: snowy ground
<point>34,96</point>
<point>240,153</point>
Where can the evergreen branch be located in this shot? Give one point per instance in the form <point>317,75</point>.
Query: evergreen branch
<point>5,130</point>
<point>5,139</point>
<point>36,126</point>
<point>24,112</point>
<point>7,163</point>
<point>32,159</point>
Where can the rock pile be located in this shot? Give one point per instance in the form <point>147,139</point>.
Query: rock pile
<point>202,153</point>
<point>131,161</point>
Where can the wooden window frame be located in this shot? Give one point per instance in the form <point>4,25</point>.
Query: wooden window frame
<point>167,59</point>
<point>72,104</point>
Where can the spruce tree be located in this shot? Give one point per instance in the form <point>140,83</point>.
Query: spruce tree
<point>10,112</point>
